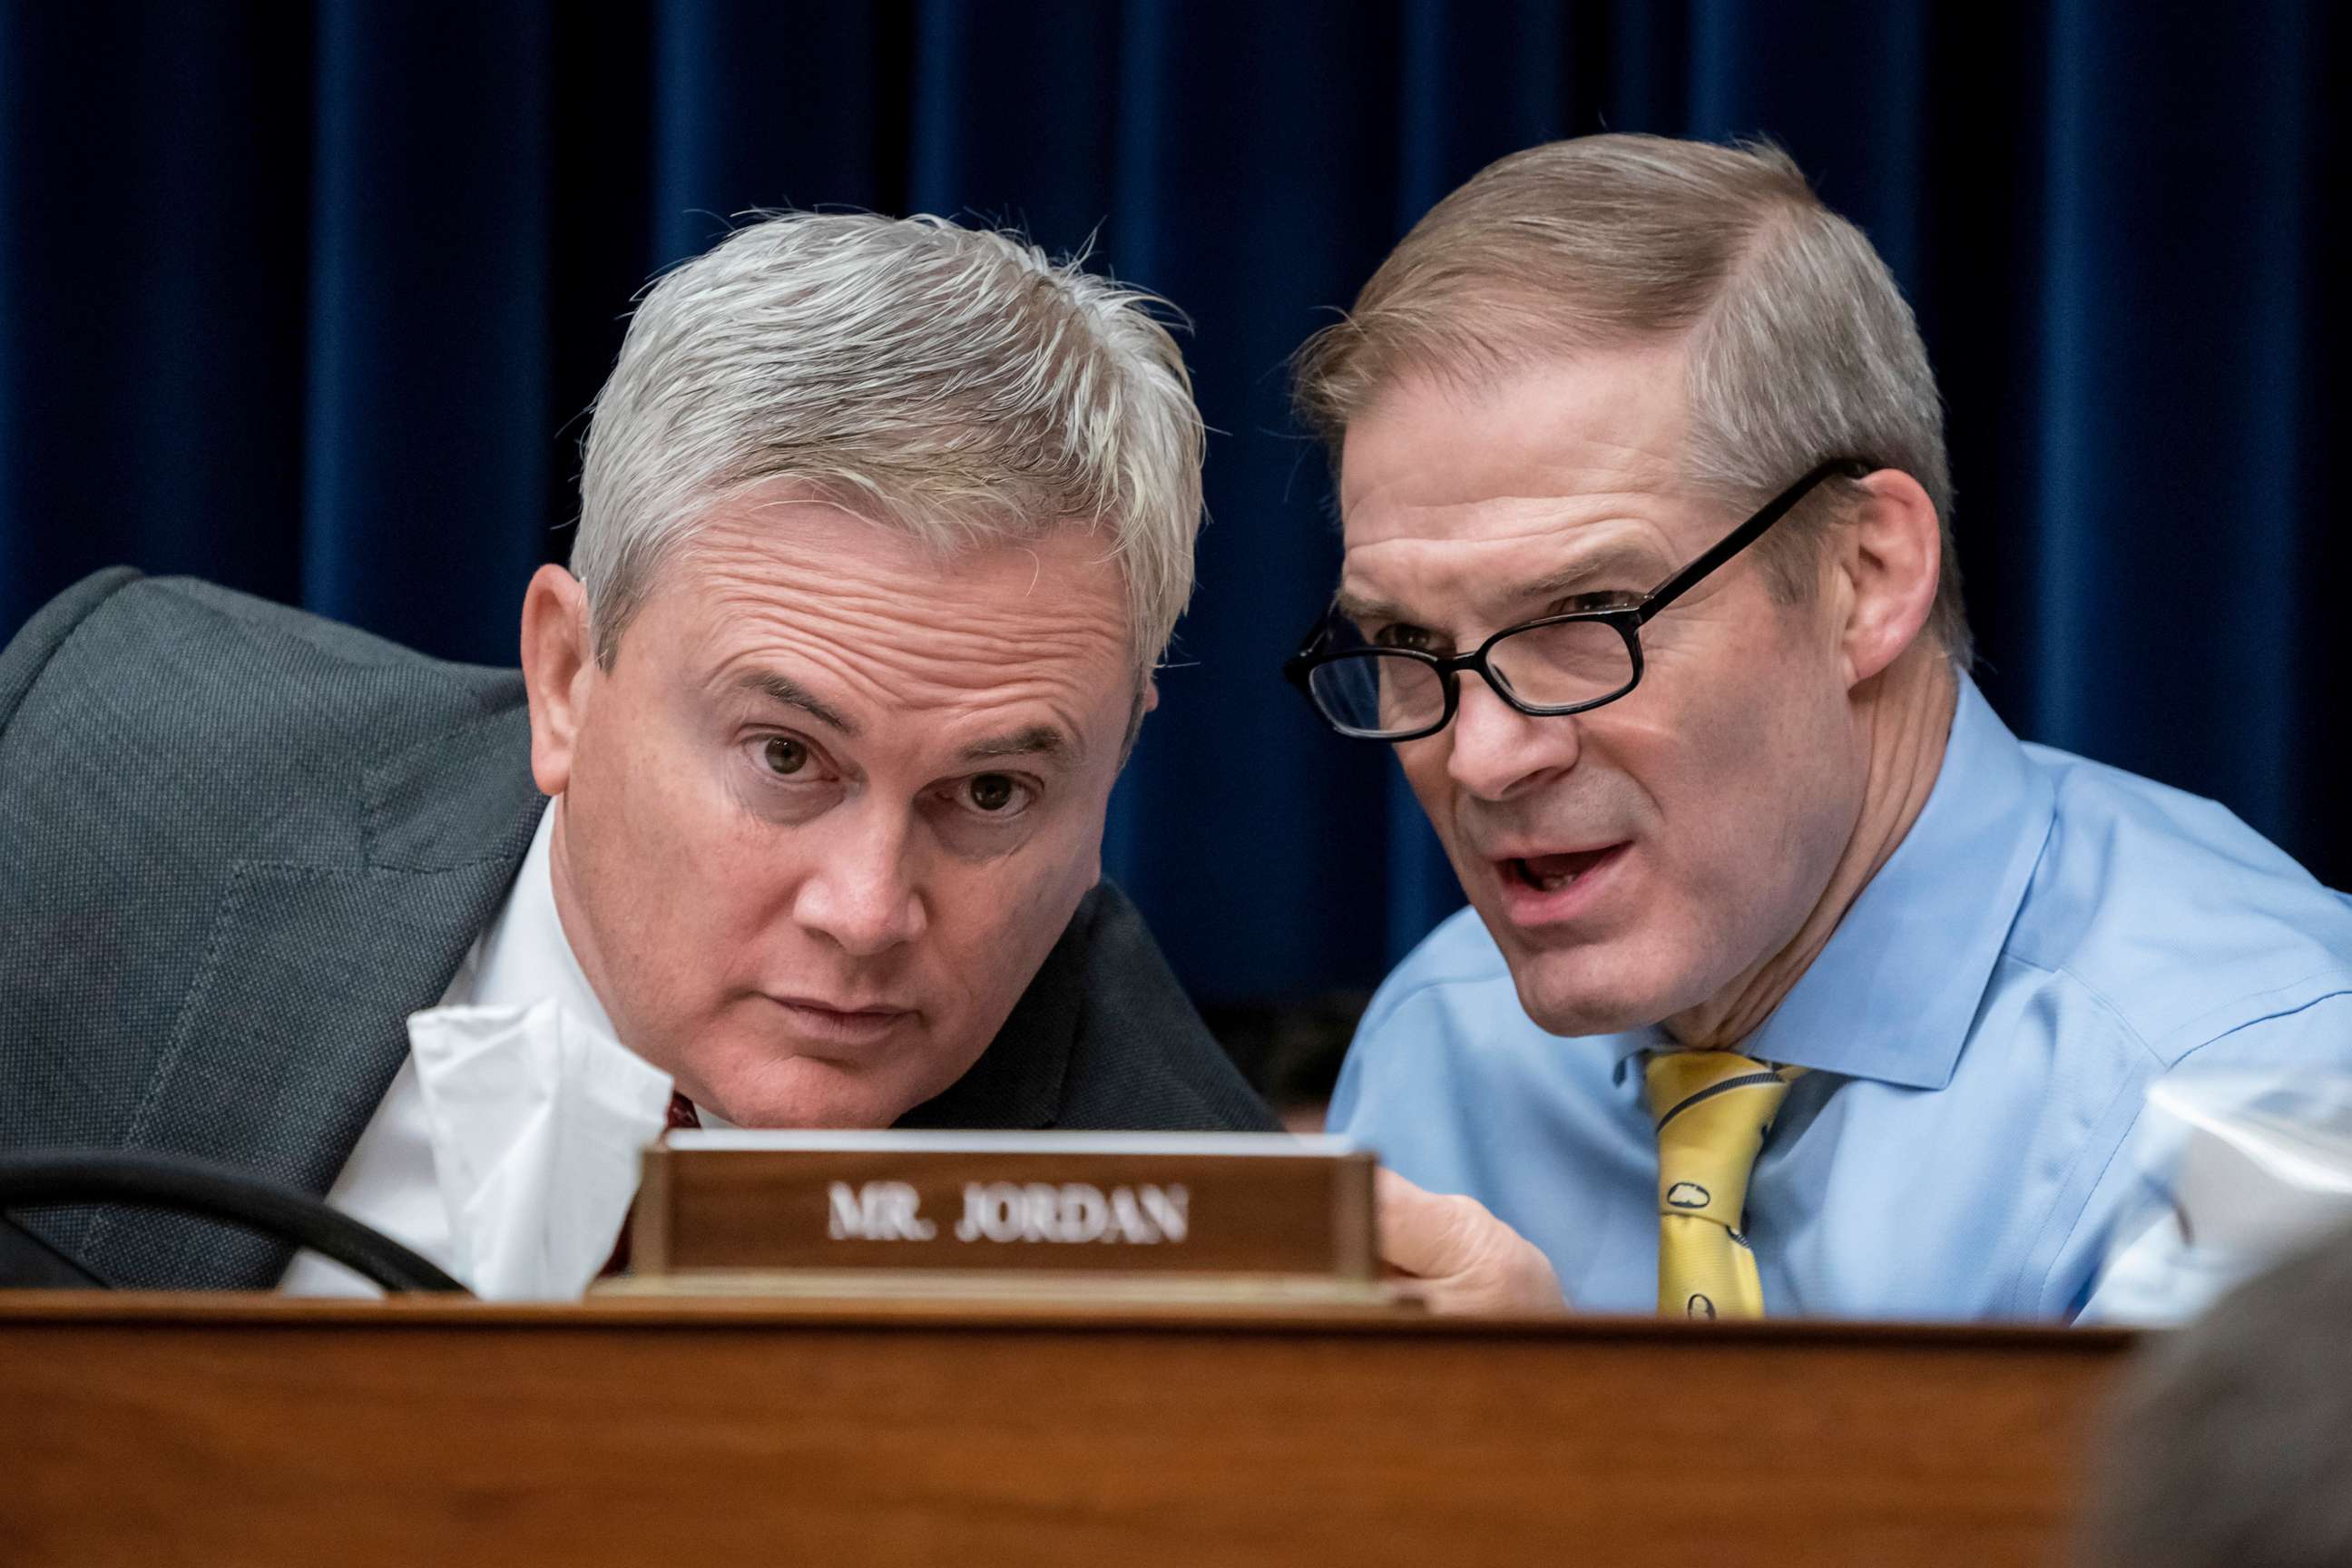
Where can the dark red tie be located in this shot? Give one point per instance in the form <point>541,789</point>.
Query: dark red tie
<point>681,1115</point>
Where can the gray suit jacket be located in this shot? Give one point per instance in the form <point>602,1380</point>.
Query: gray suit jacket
<point>239,845</point>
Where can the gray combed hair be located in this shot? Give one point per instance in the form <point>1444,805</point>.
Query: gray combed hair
<point>955,383</point>
<point>1800,347</point>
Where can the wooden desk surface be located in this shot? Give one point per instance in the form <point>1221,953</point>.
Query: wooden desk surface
<point>255,1431</point>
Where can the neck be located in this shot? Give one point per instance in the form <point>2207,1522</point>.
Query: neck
<point>1903,720</point>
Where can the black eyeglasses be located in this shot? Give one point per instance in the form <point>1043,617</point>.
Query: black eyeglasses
<point>1547,666</point>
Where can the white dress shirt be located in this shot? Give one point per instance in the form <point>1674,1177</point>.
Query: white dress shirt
<point>389,1182</point>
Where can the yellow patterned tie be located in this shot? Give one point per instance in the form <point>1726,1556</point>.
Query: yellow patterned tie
<point>1712,1110</point>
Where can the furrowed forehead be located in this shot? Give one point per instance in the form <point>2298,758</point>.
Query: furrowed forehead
<point>878,645</point>
<point>1417,579</point>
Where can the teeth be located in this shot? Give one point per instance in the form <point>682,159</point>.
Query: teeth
<point>1552,883</point>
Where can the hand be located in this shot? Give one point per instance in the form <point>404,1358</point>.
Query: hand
<point>1465,1259</point>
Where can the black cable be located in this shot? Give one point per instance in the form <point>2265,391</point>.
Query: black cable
<point>32,1178</point>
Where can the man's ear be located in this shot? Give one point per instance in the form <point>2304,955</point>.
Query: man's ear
<point>559,667</point>
<point>1891,553</point>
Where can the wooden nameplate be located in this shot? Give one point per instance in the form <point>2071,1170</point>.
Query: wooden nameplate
<point>1148,1216</point>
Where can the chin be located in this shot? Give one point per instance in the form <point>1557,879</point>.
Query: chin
<point>1590,991</point>
<point>806,1105</point>
<point>756,1087</point>
<point>1577,1016</point>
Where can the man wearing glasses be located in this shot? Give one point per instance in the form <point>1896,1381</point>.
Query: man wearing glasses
<point>1792,981</point>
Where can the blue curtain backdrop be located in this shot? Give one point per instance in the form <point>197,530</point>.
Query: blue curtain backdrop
<point>309,301</point>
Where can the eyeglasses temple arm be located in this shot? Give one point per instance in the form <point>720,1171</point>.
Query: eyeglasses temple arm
<point>1745,534</point>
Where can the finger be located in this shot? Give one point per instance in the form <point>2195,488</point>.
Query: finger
<point>1421,1233</point>
<point>1465,1259</point>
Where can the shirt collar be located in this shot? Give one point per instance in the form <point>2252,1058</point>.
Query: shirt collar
<point>1893,994</point>
<point>525,954</point>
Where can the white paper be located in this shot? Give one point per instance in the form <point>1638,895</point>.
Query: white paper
<point>537,1120</point>
<point>2236,1171</point>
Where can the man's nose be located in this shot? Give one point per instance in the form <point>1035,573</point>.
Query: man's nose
<point>862,893</point>
<point>1498,752</point>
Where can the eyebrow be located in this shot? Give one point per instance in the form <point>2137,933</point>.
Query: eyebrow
<point>790,693</point>
<point>1044,741</point>
<point>1627,558</point>
<point>1359,610</point>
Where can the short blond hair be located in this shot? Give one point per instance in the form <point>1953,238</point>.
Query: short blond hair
<point>955,383</point>
<point>1800,347</point>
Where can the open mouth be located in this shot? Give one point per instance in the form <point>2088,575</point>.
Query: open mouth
<point>1554,873</point>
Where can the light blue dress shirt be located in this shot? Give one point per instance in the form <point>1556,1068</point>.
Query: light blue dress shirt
<point>2051,938</point>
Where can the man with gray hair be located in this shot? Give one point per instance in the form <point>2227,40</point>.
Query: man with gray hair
<point>884,527</point>
<point>1792,981</point>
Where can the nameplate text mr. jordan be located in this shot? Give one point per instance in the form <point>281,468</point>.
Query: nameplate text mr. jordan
<point>1219,1203</point>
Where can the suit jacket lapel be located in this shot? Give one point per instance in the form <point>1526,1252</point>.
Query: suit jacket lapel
<point>295,1022</point>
